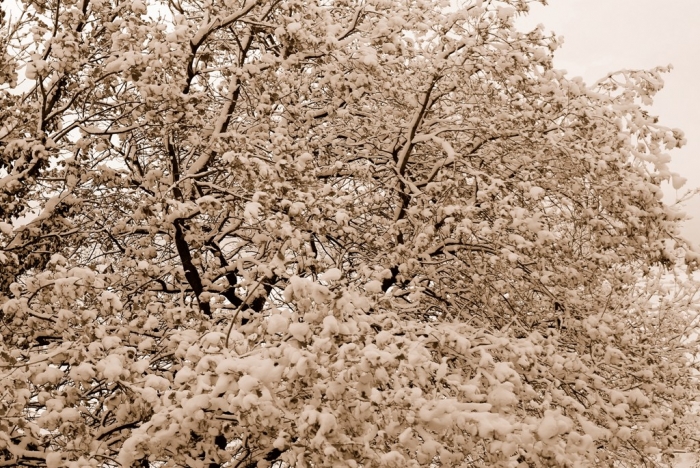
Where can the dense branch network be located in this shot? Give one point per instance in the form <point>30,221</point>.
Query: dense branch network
<point>345,233</point>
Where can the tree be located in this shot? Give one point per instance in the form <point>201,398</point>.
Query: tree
<point>335,233</point>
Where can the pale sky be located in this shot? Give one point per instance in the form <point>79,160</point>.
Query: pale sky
<point>606,35</point>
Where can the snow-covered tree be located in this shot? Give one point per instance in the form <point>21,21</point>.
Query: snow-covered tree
<point>352,233</point>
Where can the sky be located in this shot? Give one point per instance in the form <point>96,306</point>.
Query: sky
<point>601,36</point>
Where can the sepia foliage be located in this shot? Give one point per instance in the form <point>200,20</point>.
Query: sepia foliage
<point>349,233</point>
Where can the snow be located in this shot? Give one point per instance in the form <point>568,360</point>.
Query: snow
<point>333,274</point>
<point>111,300</point>
<point>491,423</point>
<point>195,403</point>
<point>83,372</point>
<point>677,181</point>
<point>504,372</point>
<point>502,395</point>
<point>330,326</point>
<point>111,367</point>
<point>373,287</point>
<point>252,211</point>
<point>293,27</point>
<point>51,375</point>
<point>299,331</point>
<point>156,382</point>
<point>326,423</point>
<point>209,202</point>
<point>70,414</point>
<point>536,192</point>
<point>548,427</point>
<point>109,342</point>
<point>247,383</point>
<point>277,323</point>
<point>184,375</point>
<point>593,430</point>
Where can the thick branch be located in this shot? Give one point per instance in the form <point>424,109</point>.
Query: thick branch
<point>231,277</point>
<point>191,272</point>
<point>183,249</point>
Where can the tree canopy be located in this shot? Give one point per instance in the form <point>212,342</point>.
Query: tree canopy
<point>352,233</point>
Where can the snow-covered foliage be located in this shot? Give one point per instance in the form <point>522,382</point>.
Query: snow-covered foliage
<point>337,233</point>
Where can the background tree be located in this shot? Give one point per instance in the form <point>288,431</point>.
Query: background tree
<point>342,233</point>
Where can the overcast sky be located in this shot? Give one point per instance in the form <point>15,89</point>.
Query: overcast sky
<point>606,35</point>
